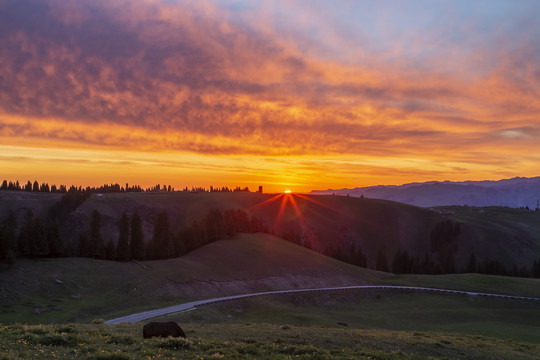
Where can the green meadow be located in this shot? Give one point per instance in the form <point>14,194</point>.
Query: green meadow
<point>45,318</point>
<point>250,341</point>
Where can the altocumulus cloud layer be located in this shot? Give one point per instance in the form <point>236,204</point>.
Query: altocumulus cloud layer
<point>398,79</point>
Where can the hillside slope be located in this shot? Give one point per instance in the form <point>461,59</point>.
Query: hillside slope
<point>77,289</point>
<point>335,224</point>
<point>324,223</point>
<point>21,201</point>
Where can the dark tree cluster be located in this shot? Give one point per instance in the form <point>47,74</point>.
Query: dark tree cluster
<point>382,262</point>
<point>130,244</point>
<point>164,243</point>
<point>494,267</point>
<point>215,226</point>
<point>216,189</point>
<point>8,238</point>
<point>443,243</point>
<point>402,263</point>
<point>535,270</point>
<point>349,253</point>
<point>110,188</point>
<point>70,201</point>
<point>159,187</point>
<point>34,237</point>
<point>32,187</point>
<point>45,188</point>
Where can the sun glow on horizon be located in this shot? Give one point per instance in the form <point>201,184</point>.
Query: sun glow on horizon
<point>287,191</point>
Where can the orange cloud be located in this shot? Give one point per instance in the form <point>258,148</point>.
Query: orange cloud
<point>158,77</point>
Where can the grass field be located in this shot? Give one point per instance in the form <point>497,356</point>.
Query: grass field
<point>30,292</point>
<point>469,282</point>
<point>249,341</point>
<point>387,309</point>
<point>363,324</point>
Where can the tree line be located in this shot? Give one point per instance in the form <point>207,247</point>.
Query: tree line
<point>165,242</point>
<point>109,188</point>
<point>36,237</point>
<point>62,189</point>
<point>439,260</point>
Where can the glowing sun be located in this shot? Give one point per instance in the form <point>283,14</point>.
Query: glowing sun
<point>287,191</point>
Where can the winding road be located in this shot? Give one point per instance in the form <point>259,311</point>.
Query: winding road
<point>193,305</point>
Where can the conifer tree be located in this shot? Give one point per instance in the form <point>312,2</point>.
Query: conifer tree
<point>162,242</point>
<point>84,246</point>
<point>54,240</point>
<point>8,238</point>
<point>137,238</point>
<point>25,235</point>
<point>123,251</point>
<point>38,243</point>
<point>471,264</point>
<point>382,262</point>
<point>97,247</point>
<point>10,258</point>
<point>110,251</point>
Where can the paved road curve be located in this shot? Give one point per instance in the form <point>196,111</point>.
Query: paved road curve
<point>193,305</point>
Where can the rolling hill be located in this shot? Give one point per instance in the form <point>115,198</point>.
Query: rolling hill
<point>79,290</point>
<point>336,224</point>
<point>76,290</point>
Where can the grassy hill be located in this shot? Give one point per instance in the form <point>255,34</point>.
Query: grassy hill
<point>497,233</point>
<point>365,324</point>
<point>332,224</point>
<point>21,201</point>
<point>322,221</point>
<point>360,324</point>
<point>78,289</point>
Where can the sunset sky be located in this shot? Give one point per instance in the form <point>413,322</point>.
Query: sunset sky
<point>285,94</point>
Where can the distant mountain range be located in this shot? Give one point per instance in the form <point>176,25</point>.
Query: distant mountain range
<point>515,192</point>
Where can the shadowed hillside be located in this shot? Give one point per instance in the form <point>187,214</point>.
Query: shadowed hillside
<point>340,226</point>
<point>360,231</point>
<point>324,223</point>
<point>78,289</point>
